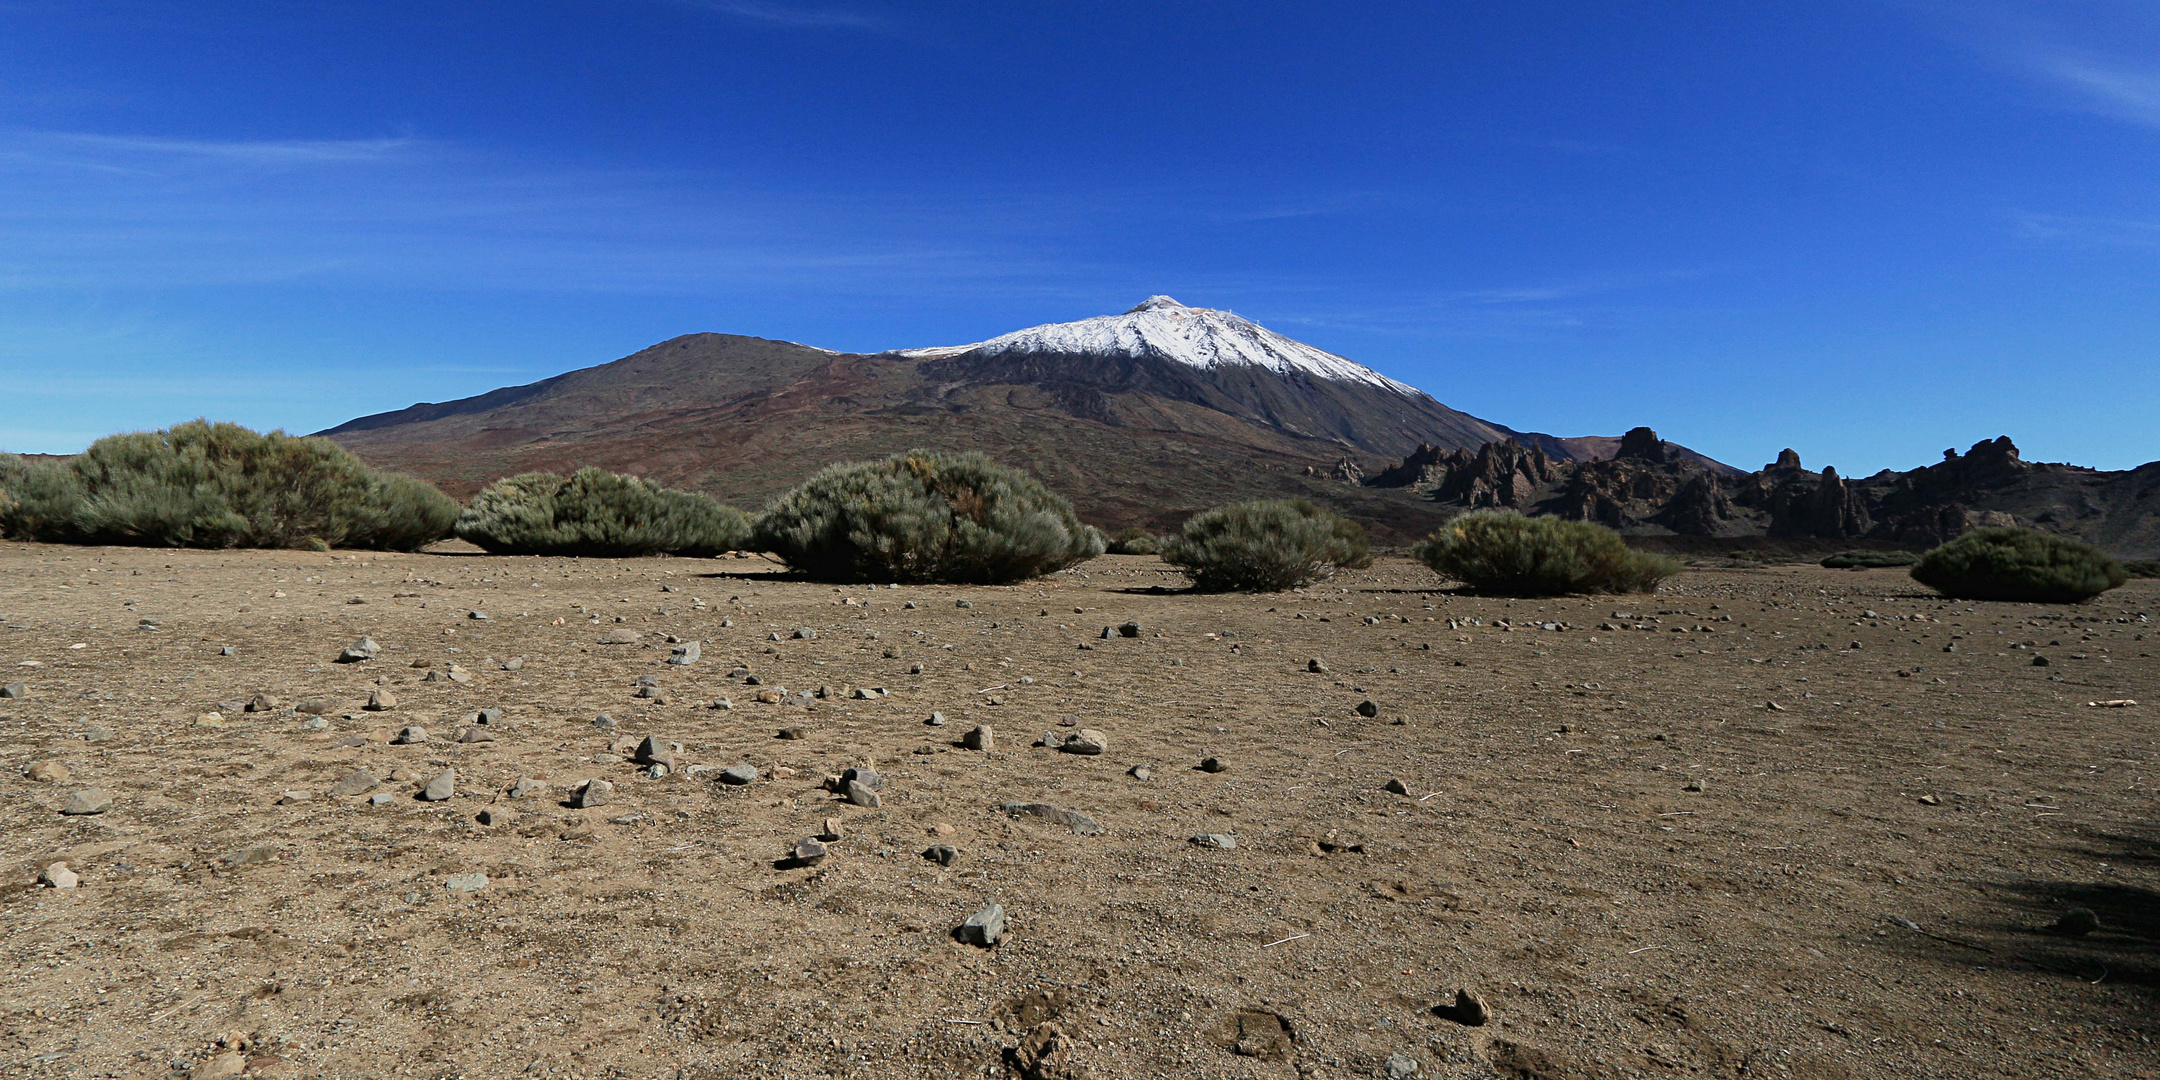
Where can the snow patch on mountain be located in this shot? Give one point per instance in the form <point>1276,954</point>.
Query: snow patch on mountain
<point>1198,337</point>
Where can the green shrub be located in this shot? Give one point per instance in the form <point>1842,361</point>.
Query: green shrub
<point>1265,546</point>
<point>925,517</point>
<point>201,484</point>
<point>599,513</point>
<point>1870,560</point>
<point>1507,554</point>
<point>2147,568</point>
<point>2018,564</point>
<point>1135,541</point>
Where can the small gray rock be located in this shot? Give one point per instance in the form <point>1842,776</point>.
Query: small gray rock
<point>808,851</point>
<point>980,737</point>
<point>363,649</point>
<point>942,854</point>
<point>1397,787</point>
<point>1131,629</point>
<point>410,736</point>
<point>1224,841</point>
<point>440,786</point>
<point>98,734</point>
<point>652,751</point>
<point>722,704</point>
<point>466,883</point>
<point>88,801</point>
<point>1142,772</point>
<point>1086,741</point>
<point>592,793</point>
<point>314,723</point>
<point>357,782</point>
<point>495,815</point>
<point>985,928</point>
<point>620,637</point>
<point>685,654</point>
<point>1316,665</point>
<point>804,633</point>
<point>1401,1067</point>
<point>526,785</point>
<point>1213,765</point>
<point>474,733</point>
<point>604,722</point>
<point>1079,823</point>
<point>477,616</point>
<point>381,701</point>
<point>1367,709</point>
<point>381,798</point>
<point>866,777</point>
<point>859,795</point>
<point>739,775</point>
<point>937,719</point>
<point>963,603</point>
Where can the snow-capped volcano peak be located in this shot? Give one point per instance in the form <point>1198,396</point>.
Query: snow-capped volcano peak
<point>1197,337</point>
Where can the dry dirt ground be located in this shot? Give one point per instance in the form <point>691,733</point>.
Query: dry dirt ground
<point>1895,804</point>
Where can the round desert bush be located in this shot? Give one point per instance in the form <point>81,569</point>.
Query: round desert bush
<point>1265,546</point>
<point>925,517</point>
<point>201,484</point>
<point>2018,564</point>
<point>1507,554</point>
<point>596,512</point>
<point>1135,541</point>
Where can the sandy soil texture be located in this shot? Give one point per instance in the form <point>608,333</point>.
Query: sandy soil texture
<point>1785,823</point>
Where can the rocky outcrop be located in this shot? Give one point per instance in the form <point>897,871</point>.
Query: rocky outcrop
<point>1648,487</point>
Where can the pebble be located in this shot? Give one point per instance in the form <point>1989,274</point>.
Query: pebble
<point>985,928</point>
<point>1469,1009</point>
<point>58,876</point>
<point>685,654</point>
<point>14,690</point>
<point>592,793</point>
<point>526,785</point>
<point>381,798</point>
<point>291,797</point>
<point>1401,1067</point>
<point>473,733</point>
<point>739,775</point>
<point>466,883</point>
<point>48,772</point>
<point>357,782</point>
<point>831,831</point>
<point>513,664</point>
<point>1213,765</point>
<point>1316,665</point>
<point>410,736</point>
<point>942,854</point>
<point>1694,785</point>
<point>721,703</point>
<point>652,751</point>
<point>620,637</point>
<point>1078,822</point>
<point>963,603</point>
<point>980,737</point>
<point>492,816</point>
<point>363,649</point>
<point>604,722</point>
<point>261,703</point>
<point>477,616</point>
<point>1367,709</point>
<point>1086,741</point>
<point>937,719</point>
<point>210,720</point>
<point>808,851</point>
<point>858,794</point>
<point>804,633</point>
<point>1141,772</point>
<point>88,801</point>
<point>252,856</point>
<point>792,734</point>
<point>1053,740</point>
<point>380,701</point>
<point>1224,841</point>
<point>440,786</point>
<point>98,734</point>
<point>1398,787</point>
<point>316,706</point>
<point>1930,800</point>
<point>2040,661</point>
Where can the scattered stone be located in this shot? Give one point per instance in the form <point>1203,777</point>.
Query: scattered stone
<point>466,883</point>
<point>1398,787</point>
<point>1053,740</point>
<point>804,633</point>
<point>620,637</point>
<point>985,928</point>
<point>253,856</point>
<point>513,664</point>
<point>477,616</point>
<point>1078,822</point>
<point>685,654</point>
<point>831,832</point>
<point>1316,666</point>
<point>654,752</point>
<point>592,793</point>
<point>1131,629</point>
<point>1086,741</point>
<point>653,694</point>
<point>1695,784</point>
<point>942,829</point>
<point>793,734</point>
<point>357,782</point>
<point>381,798</point>
<point>1213,765</point>
<point>1225,841</point>
<point>291,797</point>
<point>937,719</point>
<point>526,785</point>
<point>739,775</point>
<point>228,651</point>
<point>58,876</point>
<point>604,722</point>
<point>980,737</point>
<point>439,787</point>
<point>1367,709</point>
<point>98,734</point>
<point>48,772</point>
<point>1468,1010</point>
<point>1401,1067</point>
<point>380,701</point>
<point>210,720</point>
<point>261,703</point>
<point>963,603</point>
<point>915,669</point>
<point>495,815</point>
<point>411,735</point>
<point>317,706</point>
<point>1930,800</point>
<point>88,801</point>
<point>1141,772</point>
<point>2077,922</point>
<point>2040,661</point>
<point>856,793</point>
<point>474,733</point>
<point>363,649</point>
<point>942,854</point>
<point>910,605</point>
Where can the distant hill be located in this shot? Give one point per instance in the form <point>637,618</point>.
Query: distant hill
<point>1140,418</point>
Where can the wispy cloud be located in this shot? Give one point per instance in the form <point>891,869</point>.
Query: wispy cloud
<point>802,16</point>
<point>2102,61</point>
<point>2089,231</point>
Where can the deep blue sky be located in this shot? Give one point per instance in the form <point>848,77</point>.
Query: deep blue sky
<point>1865,229</point>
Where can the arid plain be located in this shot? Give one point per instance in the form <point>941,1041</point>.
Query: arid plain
<point>1782,821</point>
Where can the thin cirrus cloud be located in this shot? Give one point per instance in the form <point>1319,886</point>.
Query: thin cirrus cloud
<point>798,16</point>
<point>2111,87</point>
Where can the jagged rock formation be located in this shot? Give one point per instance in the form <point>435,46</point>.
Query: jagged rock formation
<point>1649,487</point>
